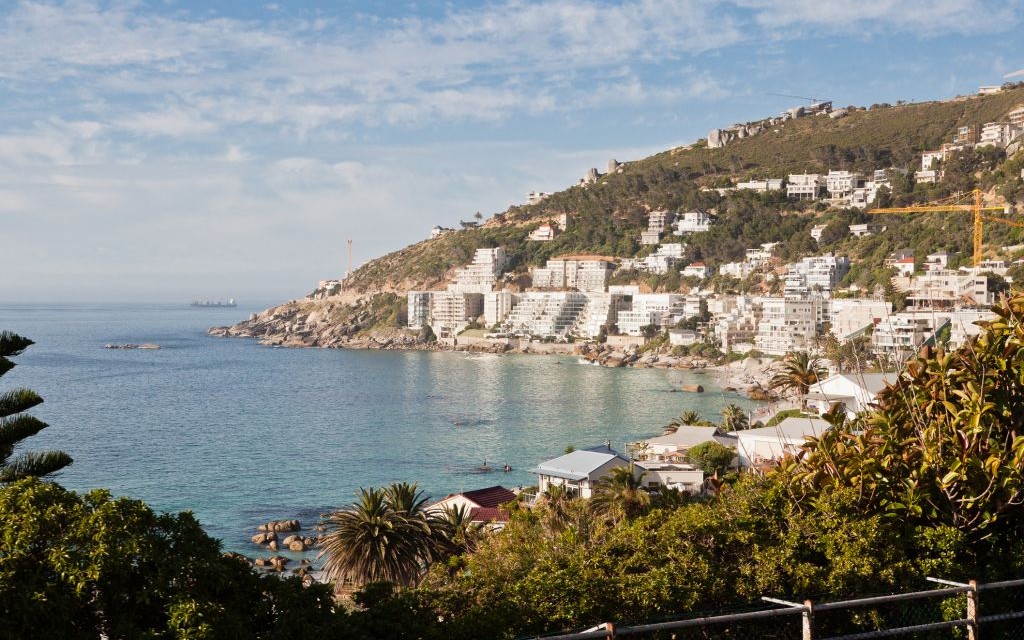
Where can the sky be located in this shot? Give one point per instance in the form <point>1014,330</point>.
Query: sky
<point>168,150</point>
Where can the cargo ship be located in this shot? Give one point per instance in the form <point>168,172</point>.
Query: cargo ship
<point>203,304</point>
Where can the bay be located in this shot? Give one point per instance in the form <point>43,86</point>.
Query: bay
<point>240,433</point>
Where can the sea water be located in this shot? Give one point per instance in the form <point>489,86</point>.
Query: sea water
<point>240,433</point>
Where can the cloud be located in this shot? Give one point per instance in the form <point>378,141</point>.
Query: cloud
<point>913,17</point>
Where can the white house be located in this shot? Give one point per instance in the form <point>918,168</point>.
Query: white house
<point>697,269</point>
<point>578,471</point>
<point>855,391</point>
<point>805,186</point>
<point>817,230</point>
<point>693,222</point>
<point>673,447</point>
<point>543,233</point>
<point>483,505</point>
<point>681,477</point>
<point>759,448</point>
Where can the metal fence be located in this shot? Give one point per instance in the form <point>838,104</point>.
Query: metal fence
<point>954,610</point>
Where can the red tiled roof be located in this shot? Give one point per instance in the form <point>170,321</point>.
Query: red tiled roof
<point>490,497</point>
<point>487,514</point>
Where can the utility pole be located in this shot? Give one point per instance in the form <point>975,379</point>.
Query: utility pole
<point>349,271</point>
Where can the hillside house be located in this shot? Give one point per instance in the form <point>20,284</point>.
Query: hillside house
<point>855,392</point>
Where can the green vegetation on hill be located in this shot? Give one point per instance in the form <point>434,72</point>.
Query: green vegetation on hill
<point>607,217</point>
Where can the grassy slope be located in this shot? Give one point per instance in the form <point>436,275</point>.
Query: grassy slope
<point>608,217</point>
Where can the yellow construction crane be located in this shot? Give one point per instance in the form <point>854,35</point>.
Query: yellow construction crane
<point>955,203</point>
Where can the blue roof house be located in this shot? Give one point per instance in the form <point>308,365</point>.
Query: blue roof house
<point>578,471</point>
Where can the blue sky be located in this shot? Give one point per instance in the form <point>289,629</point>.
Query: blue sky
<point>173,149</point>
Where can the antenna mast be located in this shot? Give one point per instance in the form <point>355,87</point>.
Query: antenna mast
<point>349,271</point>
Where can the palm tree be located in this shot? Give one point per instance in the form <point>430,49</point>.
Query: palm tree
<point>798,372</point>
<point>620,495</point>
<point>454,531</point>
<point>734,418</point>
<point>385,536</point>
<point>15,426</point>
<point>686,418</point>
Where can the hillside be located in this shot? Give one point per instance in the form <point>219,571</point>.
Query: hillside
<point>607,217</point>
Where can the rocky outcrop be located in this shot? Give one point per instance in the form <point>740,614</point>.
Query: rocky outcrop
<point>718,138</point>
<point>632,356</point>
<point>371,323</point>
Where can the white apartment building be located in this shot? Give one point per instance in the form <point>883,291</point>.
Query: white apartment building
<point>735,325</point>
<point>693,222</point>
<point>816,274</point>
<point>762,254</point>
<point>863,196</point>
<point>929,159</point>
<point>761,186</point>
<point>697,270</point>
<point>787,324</point>
<point>600,310</point>
<point>840,184</point>
<point>936,261</point>
<point>497,305</point>
<point>659,220</point>
<point>446,312</point>
<point>659,262</point>
<point>900,335</point>
<point>850,317</point>
<point>580,273</point>
<point>866,229</point>
<point>648,237</point>
<point>805,186</point>
<point>545,314</point>
<point>536,196</point>
<point>964,325</point>
<point>480,275</point>
<point>738,270</point>
<point>1016,116</point>
<point>418,314</point>
<point>928,176</point>
<point>945,289</point>
<point>649,308</point>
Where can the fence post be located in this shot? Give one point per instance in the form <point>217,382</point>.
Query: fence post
<point>808,620</point>
<point>972,611</point>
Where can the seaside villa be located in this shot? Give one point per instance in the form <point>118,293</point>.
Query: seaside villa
<point>578,471</point>
<point>855,392</point>
<point>673,447</point>
<point>762,448</point>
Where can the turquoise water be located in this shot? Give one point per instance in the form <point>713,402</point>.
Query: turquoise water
<point>239,433</point>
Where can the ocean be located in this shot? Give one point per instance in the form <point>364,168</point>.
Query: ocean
<point>240,433</point>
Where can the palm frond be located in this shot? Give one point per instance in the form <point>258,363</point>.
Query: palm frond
<point>17,401</point>
<point>11,344</point>
<point>14,430</point>
<point>39,464</point>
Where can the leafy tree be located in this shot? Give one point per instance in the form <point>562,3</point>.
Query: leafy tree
<point>86,566</point>
<point>944,446</point>
<point>649,331</point>
<point>711,457</point>
<point>16,426</point>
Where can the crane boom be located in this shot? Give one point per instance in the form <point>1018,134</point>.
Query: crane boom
<point>976,208</point>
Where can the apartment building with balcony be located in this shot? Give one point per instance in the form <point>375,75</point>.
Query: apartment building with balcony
<point>805,186</point>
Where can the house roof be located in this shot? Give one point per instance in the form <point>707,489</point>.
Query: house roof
<point>487,514</point>
<point>789,429</point>
<point>873,383</point>
<point>577,465</point>
<point>490,497</point>
<point>688,436</point>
